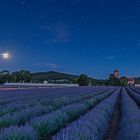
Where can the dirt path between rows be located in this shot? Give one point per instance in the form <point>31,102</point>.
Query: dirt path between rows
<point>114,122</point>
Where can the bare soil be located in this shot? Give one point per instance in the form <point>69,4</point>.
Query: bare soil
<point>114,122</point>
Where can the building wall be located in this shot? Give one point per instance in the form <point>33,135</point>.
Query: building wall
<point>116,74</point>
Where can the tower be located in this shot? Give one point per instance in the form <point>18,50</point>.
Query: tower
<point>116,73</point>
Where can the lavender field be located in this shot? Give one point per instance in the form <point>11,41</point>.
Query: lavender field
<point>70,113</point>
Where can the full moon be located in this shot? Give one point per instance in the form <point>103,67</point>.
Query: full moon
<point>5,55</point>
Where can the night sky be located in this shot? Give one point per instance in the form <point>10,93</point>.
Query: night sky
<point>75,36</point>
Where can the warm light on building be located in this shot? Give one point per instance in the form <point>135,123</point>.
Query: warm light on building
<point>116,73</point>
<point>131,81</point>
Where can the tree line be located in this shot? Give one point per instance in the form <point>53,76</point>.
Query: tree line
<point>18,76</point>
<point>83,80</point>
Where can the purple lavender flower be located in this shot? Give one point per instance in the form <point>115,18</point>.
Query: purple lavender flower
<point>18,133</point>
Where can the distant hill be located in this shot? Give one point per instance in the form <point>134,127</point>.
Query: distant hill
<point>49,77</point>
<point>52,75</point>
<point>58,77</point>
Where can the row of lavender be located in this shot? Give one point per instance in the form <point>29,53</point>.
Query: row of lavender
<point>130,117</point>
<point>136,89</point>
<point>25,115</point>
<point>10,96</point>
<point>135,94</point>
<point>52,104</point>
<point>45,126</point>
<point>7,97</point>
<point>22,100</point>
<point>93,125</point>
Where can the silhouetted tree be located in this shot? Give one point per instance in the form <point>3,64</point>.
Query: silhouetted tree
<point>22,76</point>
<point>113,81</point>
<point>83,80</point>
<point>5,76</point>
<point>123,81</point>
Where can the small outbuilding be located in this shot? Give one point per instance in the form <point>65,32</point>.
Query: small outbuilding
<point>131,81</point>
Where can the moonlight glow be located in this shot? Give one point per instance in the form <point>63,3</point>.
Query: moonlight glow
<point>5,55</point>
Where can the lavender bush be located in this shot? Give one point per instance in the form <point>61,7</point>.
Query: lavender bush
<point>20,107</point>
<point>20,118</point>
<point>48,124</point>
<point>130,119</point>
<point>18,133</point>
<point>134,95</point>
<point>91,126</point>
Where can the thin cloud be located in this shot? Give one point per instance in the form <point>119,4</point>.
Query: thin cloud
<point>58,33</point>
<point>50,65</point>
<point>36,64</point>
<point>47,64</point>
<point>110,57</point>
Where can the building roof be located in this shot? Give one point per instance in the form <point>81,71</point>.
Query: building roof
<point>130,79</point>
<point>116,70</point>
